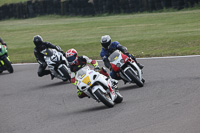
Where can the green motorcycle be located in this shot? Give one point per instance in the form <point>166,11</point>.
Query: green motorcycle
<point>5,63</point>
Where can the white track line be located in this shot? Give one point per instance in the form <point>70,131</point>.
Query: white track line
<point>18,64</point>
<point>169,57</point>
<point>148,58</point>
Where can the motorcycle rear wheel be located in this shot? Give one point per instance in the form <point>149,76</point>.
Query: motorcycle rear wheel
<point>8,65</point>
<point>104,99</point>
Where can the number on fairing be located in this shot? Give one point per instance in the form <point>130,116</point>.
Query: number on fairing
<point>54,58</point>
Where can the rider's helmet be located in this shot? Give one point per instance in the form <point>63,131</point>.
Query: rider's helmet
<point>105,41</point>
<point>72,56</point>
<point>37,40</point>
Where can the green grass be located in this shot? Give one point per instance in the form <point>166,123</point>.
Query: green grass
<point>145,35</point>
<point>2,2</point>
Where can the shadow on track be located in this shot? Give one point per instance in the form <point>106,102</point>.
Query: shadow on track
<point>52,85</point>
<point>98,108</point>
<point>55,84</point>
<point>64,115</point>
<point>5,73</point>
<point>130,87</point>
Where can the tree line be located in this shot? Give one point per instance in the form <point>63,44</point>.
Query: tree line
<point>32,8</point>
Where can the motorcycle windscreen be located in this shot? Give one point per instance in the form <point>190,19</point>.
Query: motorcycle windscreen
<point>114,56</point>
<point>82,72</point>
<point>2,50</point>
<point>47,52</point>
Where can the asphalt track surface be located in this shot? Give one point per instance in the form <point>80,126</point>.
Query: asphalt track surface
<point>168,103</point>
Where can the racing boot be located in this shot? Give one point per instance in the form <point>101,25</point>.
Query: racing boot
<point>114,83</point>
<point>1,70</point>
<point>124,81</point>
<point>81,94</point>
<point>104,72</point>
<point>140,65</point>
<point>52,76</point>
<point>143,80</point>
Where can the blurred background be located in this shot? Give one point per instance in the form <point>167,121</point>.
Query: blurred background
<point>33,8</point>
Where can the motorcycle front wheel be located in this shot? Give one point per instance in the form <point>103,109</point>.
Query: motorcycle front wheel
<point>103,98</point>
<point>135,78</point>
<point>8,65</point>
<point>65,73</point>
<point>119,98</point>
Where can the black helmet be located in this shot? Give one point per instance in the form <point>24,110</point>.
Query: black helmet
<point>37,40</point>
<point>105,41</point>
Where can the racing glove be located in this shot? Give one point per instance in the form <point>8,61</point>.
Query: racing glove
<point>122,49</point>
<point>4,43</point>
<point>58,48</point>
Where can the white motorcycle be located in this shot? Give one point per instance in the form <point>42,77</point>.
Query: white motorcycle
<point>57,64</point>
<point>97,86</point>
<point>126,67</point>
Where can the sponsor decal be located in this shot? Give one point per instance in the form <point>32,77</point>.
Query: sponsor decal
<point>82,75</point>
<point>90,72</point>
<point>111,90</point>
<point>87,81</point>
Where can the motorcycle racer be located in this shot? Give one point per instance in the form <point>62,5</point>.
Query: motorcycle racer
<point>39,46</point>
<point>2,42</point>
<point>77,62</point>
<point>5,45</point>
<point>108,47</point>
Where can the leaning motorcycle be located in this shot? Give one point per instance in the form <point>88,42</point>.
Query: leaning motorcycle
<point>97,86</point>
<point>5,63</point>
<point>57,64</point>
<point>126,67</point>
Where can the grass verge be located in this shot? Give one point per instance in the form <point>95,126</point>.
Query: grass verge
<point>145,34</point>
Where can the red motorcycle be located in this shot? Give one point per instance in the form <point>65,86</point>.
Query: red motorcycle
<point>126,67</point>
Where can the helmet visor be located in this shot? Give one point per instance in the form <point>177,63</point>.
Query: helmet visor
<point>106,44</point>
<point>71,58</point>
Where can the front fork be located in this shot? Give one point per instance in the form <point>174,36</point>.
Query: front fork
<point>2,62</point>
<point>8,58</point>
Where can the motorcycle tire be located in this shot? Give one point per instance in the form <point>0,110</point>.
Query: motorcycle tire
<point>119,98</point>
<point>66,74</point>
<point>8,65</point>
<point>134,78</point>
<point>103,98</point>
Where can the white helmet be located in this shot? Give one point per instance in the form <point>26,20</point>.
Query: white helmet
<point>105,41</point>
<point>72,56</point>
